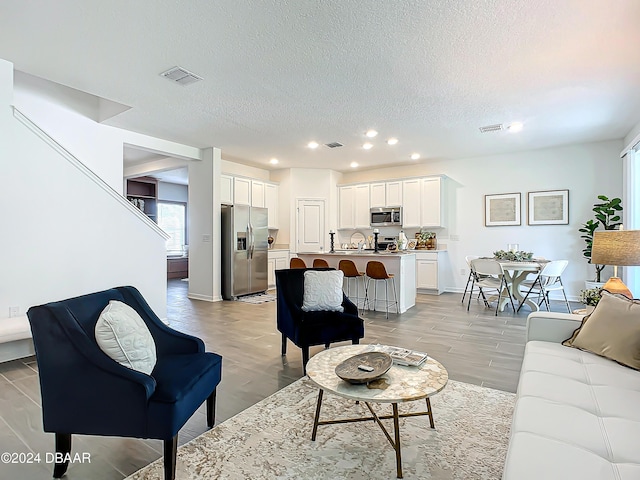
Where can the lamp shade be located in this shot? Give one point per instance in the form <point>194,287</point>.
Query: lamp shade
<point>616,247</point>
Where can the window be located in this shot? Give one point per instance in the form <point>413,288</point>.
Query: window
<point>172,218</point>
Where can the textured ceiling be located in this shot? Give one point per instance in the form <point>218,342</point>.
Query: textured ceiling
<point>279,73</point>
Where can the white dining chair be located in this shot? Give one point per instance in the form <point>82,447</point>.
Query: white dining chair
<point>548,280</point>
<point>468,259</point>
<point>488,274</point>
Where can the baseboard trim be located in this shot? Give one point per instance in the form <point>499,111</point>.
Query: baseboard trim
<point>204,298</point>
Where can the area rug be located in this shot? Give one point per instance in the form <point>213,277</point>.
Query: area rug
<point>272,439</point>
<point>259,298</point>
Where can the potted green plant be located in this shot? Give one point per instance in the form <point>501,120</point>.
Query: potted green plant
<point>608,215</point>
<point>428,239</point>
<point>590,298</point>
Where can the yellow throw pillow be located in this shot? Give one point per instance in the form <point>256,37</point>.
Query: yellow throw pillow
<point>611,331</point>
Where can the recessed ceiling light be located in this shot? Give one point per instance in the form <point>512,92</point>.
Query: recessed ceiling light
<point>371,133</point>
<point>367,146</point>
<point>392,141</point>
<point>415,156</point>
<point>353,164</point>
<point>313,144</point>
<point>273,161</point>
<point>515,127</point>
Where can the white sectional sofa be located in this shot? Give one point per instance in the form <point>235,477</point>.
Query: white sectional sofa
<point>577,414</point>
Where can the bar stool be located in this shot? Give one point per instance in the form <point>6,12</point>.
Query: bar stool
<point>351,273</point>
<point>375,271</point>
<point>296,262</point>
<point>320,263</point>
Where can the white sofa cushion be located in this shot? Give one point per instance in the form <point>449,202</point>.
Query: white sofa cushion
<point>576,417</point>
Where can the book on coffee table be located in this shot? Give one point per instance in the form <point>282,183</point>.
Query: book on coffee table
<point>402,356</point>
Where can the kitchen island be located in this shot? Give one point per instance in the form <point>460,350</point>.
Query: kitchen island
<point>401,264</point>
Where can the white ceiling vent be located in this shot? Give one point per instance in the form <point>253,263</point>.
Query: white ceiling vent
<point>181,76</point>
<point>492,128</point>
<point>334,145</point>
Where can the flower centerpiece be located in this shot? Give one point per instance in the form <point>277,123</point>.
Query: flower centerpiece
<point>426,240</point>
<point>590,296</point>
<point>519,256</point>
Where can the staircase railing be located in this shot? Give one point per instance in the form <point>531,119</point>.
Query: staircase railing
<point>86,171</point>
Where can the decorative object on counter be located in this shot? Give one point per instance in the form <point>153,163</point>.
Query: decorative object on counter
<point>513,247</point>
<point>270,241</point>
<point>376,232</point>
<point>519,256</point>
<point>364,367</point>
<point>331,234</point>
<point>357,241</point>
<point>402,241</point>
<point>370,242</point>
<point>412,245</point>
<point>426,240</point>
<point>607,214</point>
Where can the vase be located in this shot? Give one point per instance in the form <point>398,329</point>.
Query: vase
<point>588,284</point>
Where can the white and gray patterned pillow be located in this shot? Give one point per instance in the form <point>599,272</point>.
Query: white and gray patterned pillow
<point>323,291</point>
<point>122,335</point>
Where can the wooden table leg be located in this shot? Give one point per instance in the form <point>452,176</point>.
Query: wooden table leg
<point>317,417</point>
<point>430,413</point>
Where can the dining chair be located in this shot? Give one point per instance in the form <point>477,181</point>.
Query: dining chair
<point>320,263</point>
<point>548,280</point>
<point>488,274</point>
<point>468,259</point>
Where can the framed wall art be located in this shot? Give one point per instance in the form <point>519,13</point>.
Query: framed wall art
<point>549,207</point>
<point>502,209</point>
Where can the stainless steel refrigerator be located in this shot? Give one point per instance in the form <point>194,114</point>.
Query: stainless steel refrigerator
<point>244,250</point>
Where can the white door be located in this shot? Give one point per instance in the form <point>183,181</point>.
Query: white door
<point>311,233</point>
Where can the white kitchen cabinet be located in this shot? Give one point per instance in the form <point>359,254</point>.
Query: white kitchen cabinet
<point>431,202</point>
<point>346,214</point>
<point>276,260</point>
<point>361,215</point>
<point>226,189</point>
<point>429,272</point>
<point>257,193</point>
<point>271,202</point>
<point>394,193</point>
<point>241,191</point>
<point>411,199</point>
<point>378,195</point>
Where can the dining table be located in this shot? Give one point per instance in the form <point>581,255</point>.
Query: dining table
<point>515,273</point>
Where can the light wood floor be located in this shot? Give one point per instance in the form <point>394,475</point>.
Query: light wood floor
<point>475,347</point>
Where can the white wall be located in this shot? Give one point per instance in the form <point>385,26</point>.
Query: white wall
<point>173,192</point>
<point>66,236</point>
<point>586,170</point>
<point>231,168</point>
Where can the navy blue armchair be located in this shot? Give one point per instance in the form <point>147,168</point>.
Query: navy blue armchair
<point>306,329</point>
<point>84,391</point>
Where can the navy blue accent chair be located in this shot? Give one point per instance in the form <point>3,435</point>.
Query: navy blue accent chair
<point>306,329</point>
<point>86,392</point>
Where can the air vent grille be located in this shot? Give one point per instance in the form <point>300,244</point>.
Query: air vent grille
<point>334,145</point>
<point>181,76</point>
<point>492,128</point>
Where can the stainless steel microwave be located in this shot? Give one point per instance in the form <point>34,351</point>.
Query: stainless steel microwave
<point>386,216</point>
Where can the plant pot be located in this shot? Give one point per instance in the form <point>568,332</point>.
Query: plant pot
<point>588,284</point>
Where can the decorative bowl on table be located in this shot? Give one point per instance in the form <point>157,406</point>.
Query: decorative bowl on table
<point>350,370</point>
<point>519,256</point>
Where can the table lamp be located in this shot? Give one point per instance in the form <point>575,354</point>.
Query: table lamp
<point>617,248</point>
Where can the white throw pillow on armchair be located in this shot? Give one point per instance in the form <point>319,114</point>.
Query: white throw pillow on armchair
<point>323,291</point>
<point>122,334</point>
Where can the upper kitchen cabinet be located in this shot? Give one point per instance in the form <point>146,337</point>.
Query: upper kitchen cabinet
<point>432,203</point>
<point>346,214</point>
<point>271,202</point>
<point>386,194</point>
<point>354,206</point>
<point>242,191</point>
<point>226,189</point>
<point>257,193</point>
<point>411,202</point>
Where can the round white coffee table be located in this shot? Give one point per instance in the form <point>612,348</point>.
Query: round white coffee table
<point>400,384</point>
